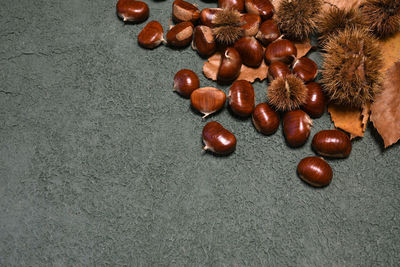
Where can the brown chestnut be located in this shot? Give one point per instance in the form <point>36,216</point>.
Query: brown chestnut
<point>180,35</point>
<point>278,69</point>
<point>184,11</point>
<point>132,10</point>
<point>280,50</point>
<point>251,24</point>
<point>250,50</point>
<point>305,69</point>
<point>265,119</point>
<point>296,127</point>
<point>241,98</point>
<point>231,4</point>
<point>207,16</point>
<point>203,41</point>
<point>268,32</point>
<point>264,8</point>
<point>229,68</point>
<point>207,100</point>
<point>185,82</point>
<point>316,102</point>
<point>332,143</point>
<point>152,35</point>
<point>315,171</point>
<point>217,139</point>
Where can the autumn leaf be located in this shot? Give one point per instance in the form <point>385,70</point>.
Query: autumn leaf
<point>391,51</point>
<point>348,119</point>
<point>385,111</point>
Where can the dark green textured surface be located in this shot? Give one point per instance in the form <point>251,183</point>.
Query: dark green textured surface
<point>101,163</point>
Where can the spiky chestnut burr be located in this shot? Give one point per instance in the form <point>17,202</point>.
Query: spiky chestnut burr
<point>382,16</point>
<point>351,71</point>
<point>334,19</point>
<point>287,93</point>
<point>227,26</point>
<point>297,18</point>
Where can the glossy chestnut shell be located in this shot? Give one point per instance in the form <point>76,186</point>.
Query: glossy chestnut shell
<point>184,11</point>
<point>180,35</point>
<point>332,143</point>
<point>268,32</point>
<point>296,127</point>
<point>316,101</point>
<point>278,69</point>
<point>185,82</point>
<point>241,98</point>
<point>250,50</point>
<point>207,100</point>
<point>217,139</point>
<point>305,69</point>
<point>132,10</point>
<point>151,36</point>
<point>231,63</point>
<point>280,50</point>
<point>232,4</point>
<point>315,171</point>
<point>265,119</point>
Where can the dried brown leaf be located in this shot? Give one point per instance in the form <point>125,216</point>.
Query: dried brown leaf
<point>347,119</point>
<point>303,48</point>
<point>385,111</point>
<point>344,4</point>
<point>211,66</point>
<point>391,51</point>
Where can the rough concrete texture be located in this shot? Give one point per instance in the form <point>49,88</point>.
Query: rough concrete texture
<point>101,163</point>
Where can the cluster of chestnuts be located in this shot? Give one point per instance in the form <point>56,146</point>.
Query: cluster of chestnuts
<point>249,39</point>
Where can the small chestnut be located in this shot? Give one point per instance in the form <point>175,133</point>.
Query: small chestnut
<point>207,16</point>
<point>305,69</point>
<point>180,35</point>
<point>316,102</point>
<point>217,139</point>
<point>132,10</point>
<point>250,50</point>
<point>241,98</point>
<point>185,82</point>
<point>231,4</point>
<point>280,50</point>
<point>229,68</point>
<point>265,119</point>
<point>332,143</point>
<point>207,100</point>
<point>264,8</point>
<point>184,11</point>
<point>315,171</point>
<point>296,127</point>
<point>203,41</point>
<point>152,35</point>
<point>251,24</point>
<point>268,32</point>
<point>278,69</point>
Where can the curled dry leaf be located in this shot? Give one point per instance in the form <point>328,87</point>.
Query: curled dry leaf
<point>385,112</point>
<point>210,70</point>
<point>210,67</point>
<point>391,51</point>
<point>348,119</point>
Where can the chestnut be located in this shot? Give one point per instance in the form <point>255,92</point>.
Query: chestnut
<point>264,8</point>
<point>132,10</point>
<point>231,4</point>
<point>152,35</point>
<point>332,143</point>
<point>296,127</point>
<point>241,98</point>
<point>217,139</point>
<point>180,35</point>
<point>185,82</point>
<point>184,11</point>
<point>250,50</point>
<point>207,16</point>
<point>207,100</point>
<point>278,69</point>
<point>203,41</point>
<point>268,32</point>
<point>305,69</point>
<point>251,24</point>
<point>280,50</point>
<point>265,119</point>
<point>315,171</point>
<point>316,102</point>
<point>229,68</point>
